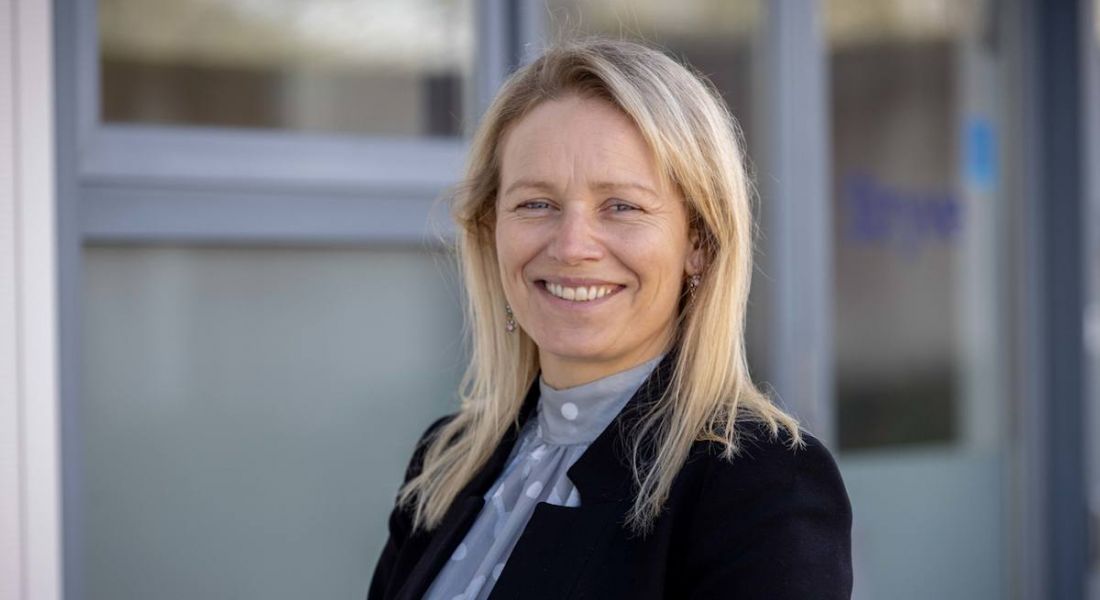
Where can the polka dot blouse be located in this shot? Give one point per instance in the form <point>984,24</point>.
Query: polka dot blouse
<point>567,422</point>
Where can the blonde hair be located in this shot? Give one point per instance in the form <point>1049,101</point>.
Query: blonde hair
<point>695,140</point>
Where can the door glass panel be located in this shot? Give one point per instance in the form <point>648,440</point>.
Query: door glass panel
<point>247,414</point>
<point>344,66</point>
<point>920,338</point>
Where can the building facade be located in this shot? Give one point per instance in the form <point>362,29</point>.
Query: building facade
<point>257,314</point>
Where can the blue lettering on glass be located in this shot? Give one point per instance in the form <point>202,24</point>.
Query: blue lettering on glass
<point>876,214</point>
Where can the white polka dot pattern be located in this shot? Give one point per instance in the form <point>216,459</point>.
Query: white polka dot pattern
<point>536,472</point>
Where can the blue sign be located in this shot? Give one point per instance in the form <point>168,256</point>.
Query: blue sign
<point>980,154</point>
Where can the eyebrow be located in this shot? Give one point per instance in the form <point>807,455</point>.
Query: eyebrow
<point>600,186</point>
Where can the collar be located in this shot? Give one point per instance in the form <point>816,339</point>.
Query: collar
<point>602,473</point>
<point>578,415</point>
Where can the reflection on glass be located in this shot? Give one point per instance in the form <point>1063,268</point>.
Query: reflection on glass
<point>862,23</point>
<point>346,66</point>
<point>898,218</point>
<point>247,413</point>
<point>714,37</point>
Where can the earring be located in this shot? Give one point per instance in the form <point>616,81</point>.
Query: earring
<point>510,323</point>
<point>693,284</point>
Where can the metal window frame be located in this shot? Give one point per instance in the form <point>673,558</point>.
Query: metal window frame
<point>30,507</point>
<point>141,183</point>
<point>1091,41</point>
<point>1061,180</point>
<point>1092,174</point>
<point>147,184</point>
<point>791,108</point>
<point>1052,545</point>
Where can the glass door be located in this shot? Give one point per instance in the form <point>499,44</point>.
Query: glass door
<point>918,213</point>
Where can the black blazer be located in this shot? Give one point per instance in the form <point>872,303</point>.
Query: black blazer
<point>774,523</point>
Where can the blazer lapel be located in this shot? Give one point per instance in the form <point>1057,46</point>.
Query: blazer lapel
<point>463,511</point>
<point>558,541</point>
<point>603,474</point>
<point>555,546</point>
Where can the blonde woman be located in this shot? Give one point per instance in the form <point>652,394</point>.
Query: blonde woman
<point>610,442</point>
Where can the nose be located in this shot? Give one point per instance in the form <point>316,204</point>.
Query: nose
<point>573,240</point>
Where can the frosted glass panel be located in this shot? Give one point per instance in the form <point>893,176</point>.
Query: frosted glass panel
<point>247,412</point>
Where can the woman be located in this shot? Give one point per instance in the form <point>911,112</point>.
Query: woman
<point>610,442</point>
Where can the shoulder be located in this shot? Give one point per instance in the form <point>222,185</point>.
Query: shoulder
<point>432,429</point>
<point>417,460</point>
<point>773,520</point>
<point>772,459</point>
<point>769,466</point>
<point>771,488</point>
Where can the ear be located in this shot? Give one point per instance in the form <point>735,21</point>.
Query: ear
<point>696,257</point>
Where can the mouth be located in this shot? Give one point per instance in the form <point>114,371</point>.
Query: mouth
<point>578,294</point>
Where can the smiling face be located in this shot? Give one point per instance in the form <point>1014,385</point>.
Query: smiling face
<point>592,249</point>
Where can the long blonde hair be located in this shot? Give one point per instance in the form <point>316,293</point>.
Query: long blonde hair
<point>695,140</point>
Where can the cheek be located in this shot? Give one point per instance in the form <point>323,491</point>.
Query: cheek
<point>659,265</point>
<point>512,253</point>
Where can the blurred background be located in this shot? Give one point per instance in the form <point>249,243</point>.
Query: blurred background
<point>259,315</point>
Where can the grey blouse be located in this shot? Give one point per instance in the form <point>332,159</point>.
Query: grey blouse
<point>567,422</point>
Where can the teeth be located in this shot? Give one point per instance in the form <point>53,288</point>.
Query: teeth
<point>580,294</point>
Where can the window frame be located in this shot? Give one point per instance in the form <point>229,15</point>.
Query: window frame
<point>195,184</point>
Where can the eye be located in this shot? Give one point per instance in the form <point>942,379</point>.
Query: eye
<point>534,205</point>
<point>621,206</point>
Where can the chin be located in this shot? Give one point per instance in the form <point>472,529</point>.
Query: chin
<point>575,349</point>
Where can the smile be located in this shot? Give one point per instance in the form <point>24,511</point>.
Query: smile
<point>579,294</point>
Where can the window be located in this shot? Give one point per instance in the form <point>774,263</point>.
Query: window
<point>359,67</point>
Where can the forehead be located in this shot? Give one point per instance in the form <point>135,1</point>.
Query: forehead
<point>576,137</point>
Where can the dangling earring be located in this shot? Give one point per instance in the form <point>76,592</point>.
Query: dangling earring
<point>693,284</point>
<point>510,323</point>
